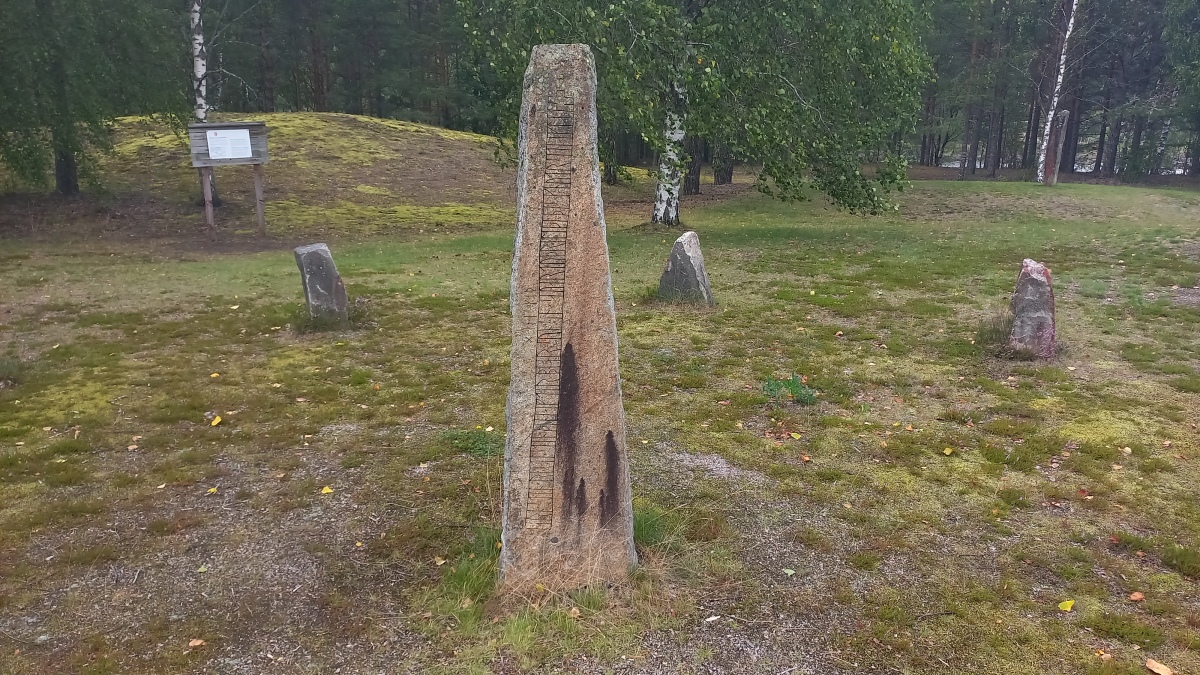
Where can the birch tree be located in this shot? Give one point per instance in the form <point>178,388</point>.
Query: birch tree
<point>200,85</point>
<point>1060,73</point>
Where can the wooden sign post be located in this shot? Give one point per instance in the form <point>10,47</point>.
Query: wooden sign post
<point>226,143</point>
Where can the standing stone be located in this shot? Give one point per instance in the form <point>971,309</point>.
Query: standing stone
<point>684,279</point>
<point>568,513</point>
<point>1033,311</point>
<point>323,288</point>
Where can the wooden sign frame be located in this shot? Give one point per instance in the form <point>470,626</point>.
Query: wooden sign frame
<point>254,154</point>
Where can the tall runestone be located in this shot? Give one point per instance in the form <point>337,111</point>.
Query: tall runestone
<point>684,279</point>
<point>323,288</point>
<point>568,514</point>
<point>1033,311</point>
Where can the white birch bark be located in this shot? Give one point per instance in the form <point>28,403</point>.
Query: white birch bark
<point>1052,112</point>
<point>666,200</point>
<point>199,62</point>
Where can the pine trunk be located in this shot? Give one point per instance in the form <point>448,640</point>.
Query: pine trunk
<point>722,164</point>
<point>1114,140</point>
<point>695,156</point>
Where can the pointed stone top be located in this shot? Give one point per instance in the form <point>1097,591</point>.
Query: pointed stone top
<point>1035,268</point>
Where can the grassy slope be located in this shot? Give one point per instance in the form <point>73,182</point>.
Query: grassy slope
<point>903,557</point>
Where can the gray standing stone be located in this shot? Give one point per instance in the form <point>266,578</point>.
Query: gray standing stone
<point>568,512</point>
<point>685,279</point>
<point>1033,311</point>
<point>323,288</point>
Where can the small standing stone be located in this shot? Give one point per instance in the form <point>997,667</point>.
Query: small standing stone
<point>685,279</point>
<point>323,288</point>
<point>568,511</point>
<point>1033,311</point>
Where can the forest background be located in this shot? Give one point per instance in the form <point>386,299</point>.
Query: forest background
<point>987,74</point>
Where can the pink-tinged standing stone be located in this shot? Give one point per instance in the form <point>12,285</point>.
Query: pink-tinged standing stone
<point>1033,311</point>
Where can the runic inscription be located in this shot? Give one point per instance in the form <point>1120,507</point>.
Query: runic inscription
<point>552,278</point>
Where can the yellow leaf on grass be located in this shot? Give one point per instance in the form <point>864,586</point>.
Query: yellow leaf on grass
<point>326,490</point>
<point>795,435</point>
<point>212,490</point>
<point>1066,605</point>
<point>948,451</point>
<point>216,420</point>
<point>215,375</point>
<point>439,561</point>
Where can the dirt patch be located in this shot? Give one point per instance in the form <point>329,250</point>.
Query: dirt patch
<point>1187,297</point>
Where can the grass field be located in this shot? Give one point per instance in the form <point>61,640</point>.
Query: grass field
<point>928,514</point>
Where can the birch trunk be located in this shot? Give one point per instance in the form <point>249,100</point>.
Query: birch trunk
<point>666,201</point>
<point>199,62</point>
<point>1052,113</point>
<point>200,86</point>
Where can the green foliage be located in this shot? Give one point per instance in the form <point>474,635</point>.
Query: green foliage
<point>810,90</point>
<point>70,67</point>
<point>792,389</point>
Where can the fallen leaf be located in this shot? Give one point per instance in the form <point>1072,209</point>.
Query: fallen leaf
<point>575,613</point>
<point>203,569</point>
<point>47,428</point>
<point>212,491</point>
<point>301,400</point>
<point>1071,368</point>
<point>216,421</point>
<point>196,643</point>
<point>215,375</point>
<point>132,447</point>
<point>277,385</point>
<point>795,435</point>
<point>847,505</point>
<point>1158,668</point>
<point>789,572</point>
<point>234,306</point>
<point>712,619</point>
<point>1066,605</point>
<point>1137,596</point>
<point>838,334</point>
<point>358,544</point>
<point>162,486</point>
<point>1166,444</point>
<point>805,458</point>
<point>326,490</point>
<point>948,451</point>
<point>439,561</point>
<point>488,429</point>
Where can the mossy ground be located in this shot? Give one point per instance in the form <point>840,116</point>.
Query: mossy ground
<point>839,537</point>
